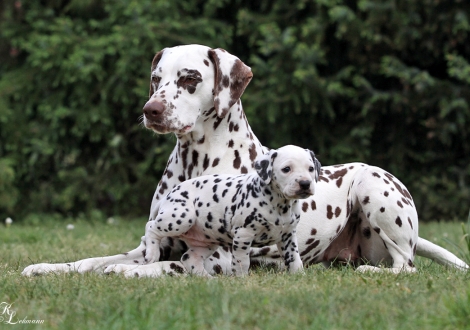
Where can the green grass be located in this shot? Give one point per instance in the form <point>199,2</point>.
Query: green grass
<point>433,298</point>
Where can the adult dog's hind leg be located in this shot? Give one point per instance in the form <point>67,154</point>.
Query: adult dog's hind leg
<point>388,206</point>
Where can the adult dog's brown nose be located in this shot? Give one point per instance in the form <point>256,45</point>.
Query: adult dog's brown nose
<point>153,108</point>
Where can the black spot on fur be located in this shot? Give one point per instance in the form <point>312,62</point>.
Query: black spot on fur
<point>398,222</point>
<point>177,268</point>
<point>217,269</point>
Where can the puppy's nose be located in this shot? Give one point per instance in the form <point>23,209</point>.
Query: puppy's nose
<point>305,184</point>
<point>153,108</point>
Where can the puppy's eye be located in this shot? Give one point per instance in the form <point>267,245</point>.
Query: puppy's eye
<point>310,169</point>
<point>286,169</point>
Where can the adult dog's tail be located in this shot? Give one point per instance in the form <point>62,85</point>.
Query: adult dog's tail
<point>438,254</point>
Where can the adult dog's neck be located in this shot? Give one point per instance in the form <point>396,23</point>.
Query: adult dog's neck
<point>219,144</point>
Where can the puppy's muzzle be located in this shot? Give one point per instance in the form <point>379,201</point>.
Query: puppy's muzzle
<point>305,184</point>
<point>305,189</point>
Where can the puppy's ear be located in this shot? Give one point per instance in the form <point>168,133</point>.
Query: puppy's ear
<point>317,164</point>
<point>231,77</point>
<point>155,61</point>
<point>264,166</point>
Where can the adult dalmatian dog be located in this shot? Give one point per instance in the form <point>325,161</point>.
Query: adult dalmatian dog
<point>360,214</point>
<point>238,211</point>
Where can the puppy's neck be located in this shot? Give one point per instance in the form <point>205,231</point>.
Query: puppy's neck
<point>276,197</point>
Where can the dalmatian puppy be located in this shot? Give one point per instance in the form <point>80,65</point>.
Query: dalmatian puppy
<point>361,214</point>
<point>256,209</point>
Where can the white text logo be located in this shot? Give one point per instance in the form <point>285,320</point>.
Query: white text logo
<point>8,316</point>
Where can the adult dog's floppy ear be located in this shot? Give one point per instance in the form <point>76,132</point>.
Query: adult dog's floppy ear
<point>155,61</point>
<point>317,164</point>
<point>264,166</point>
<point>231,77</point>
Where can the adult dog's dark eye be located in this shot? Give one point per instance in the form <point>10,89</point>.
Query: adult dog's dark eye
<point>310,169</point>
<point>188,80</point>
<point>286,169</point>
<point>156,80</point>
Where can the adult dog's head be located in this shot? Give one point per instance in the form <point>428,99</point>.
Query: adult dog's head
<point>189,83</point>
<point>291,171</point>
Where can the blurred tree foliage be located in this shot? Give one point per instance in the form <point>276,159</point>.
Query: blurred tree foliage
<point>385,82</point>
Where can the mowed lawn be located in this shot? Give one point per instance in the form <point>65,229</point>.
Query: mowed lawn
<point>433,298</point>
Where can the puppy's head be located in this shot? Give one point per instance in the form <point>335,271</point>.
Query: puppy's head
<point>291,171</point>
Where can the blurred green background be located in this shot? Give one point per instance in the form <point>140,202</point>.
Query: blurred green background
<point>385,82</point>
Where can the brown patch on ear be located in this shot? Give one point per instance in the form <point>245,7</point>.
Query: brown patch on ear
<point>217,74</point>
<point>237,80</point>
<point>155,61</point>
<point>240,77</point>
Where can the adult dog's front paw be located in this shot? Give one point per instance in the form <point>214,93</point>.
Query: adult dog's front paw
<point>120,269</point>
<point>38,269</point>
<point>134,270</point>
